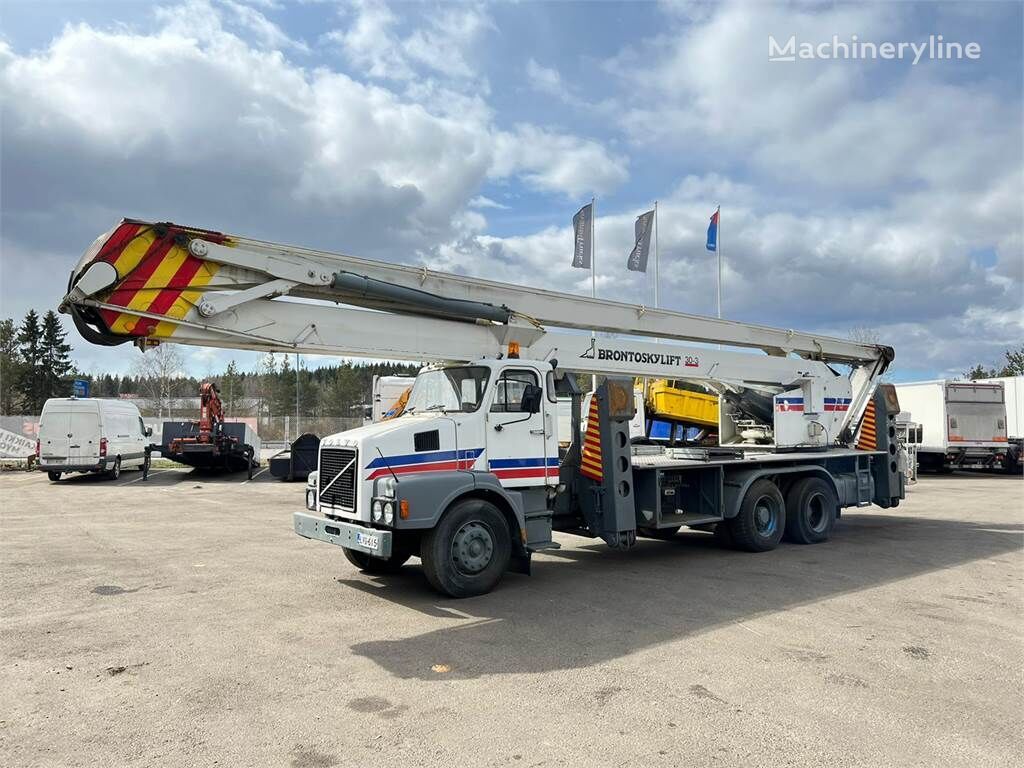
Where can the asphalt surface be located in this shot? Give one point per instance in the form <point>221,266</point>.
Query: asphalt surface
<point>180,622</point>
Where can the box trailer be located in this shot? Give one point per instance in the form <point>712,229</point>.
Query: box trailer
<point>1013,388</point>
<point>962,423</point>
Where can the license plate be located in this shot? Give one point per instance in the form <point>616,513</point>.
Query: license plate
<point>368,540</point>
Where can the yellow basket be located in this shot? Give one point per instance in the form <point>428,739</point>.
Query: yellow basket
<point>681,405</point>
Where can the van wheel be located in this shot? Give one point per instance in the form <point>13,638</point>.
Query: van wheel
<point>810,511</point>
<point>762,518</point>
<point>115,471</point>
<point>370,564</point>
<point>468,551</point>
<point>54,476</point>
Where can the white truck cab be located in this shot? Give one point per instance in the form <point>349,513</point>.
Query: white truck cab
<point>497,416</point>
<point>90,435</point>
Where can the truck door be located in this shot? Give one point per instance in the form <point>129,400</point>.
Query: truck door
<point>975,413</point>
<point>54,434</point>
<point>83,436</point>
<point>518,442</point>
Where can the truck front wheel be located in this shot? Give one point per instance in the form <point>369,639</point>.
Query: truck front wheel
<point>810,511</point>
<point>761,520</point>
<point>380,565</point>
<point>469,550</point>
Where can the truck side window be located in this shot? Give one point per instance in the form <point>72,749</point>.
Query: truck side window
<point>508,395</point>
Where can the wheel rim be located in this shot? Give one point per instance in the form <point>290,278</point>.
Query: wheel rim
<point>817,516</point>
<point>766,516</point>
<point>472,548</point>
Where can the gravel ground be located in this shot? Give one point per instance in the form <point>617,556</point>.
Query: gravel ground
<point>180,622</point>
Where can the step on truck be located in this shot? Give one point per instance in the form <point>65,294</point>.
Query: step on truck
<point>471,477</point>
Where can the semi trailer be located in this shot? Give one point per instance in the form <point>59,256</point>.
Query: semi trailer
<point>962,424</point>
<point>471,477</point>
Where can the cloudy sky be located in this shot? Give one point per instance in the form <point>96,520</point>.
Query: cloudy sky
<point>881,194</point>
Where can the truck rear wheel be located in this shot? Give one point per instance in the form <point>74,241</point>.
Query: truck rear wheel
<point>761,520</point>
<point>810,511</point>
<point>468,551</point>
<point>370,564</point>
<point>54,476</point>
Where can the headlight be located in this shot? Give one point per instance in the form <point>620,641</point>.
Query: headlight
<point>389,513</point>
<point>377,511</point>
<point>386,487</point>
<point>311,498</point>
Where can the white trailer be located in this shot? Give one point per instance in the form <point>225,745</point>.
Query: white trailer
<point>471,478</point>
<point>1013,387</point>
<point>962,423</point>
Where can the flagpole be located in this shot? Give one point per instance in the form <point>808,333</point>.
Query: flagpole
<point>656,304</point>
<point>719,249</point>
<point>593,275</point>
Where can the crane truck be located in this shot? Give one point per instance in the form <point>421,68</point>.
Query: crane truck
<point>471,477</point>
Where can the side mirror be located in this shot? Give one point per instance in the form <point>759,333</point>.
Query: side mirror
<point>148,432</point>
<point>532,395</point>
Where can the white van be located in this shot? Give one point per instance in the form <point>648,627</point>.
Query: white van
<point>90,435</point>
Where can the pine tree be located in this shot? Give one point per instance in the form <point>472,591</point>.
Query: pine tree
<point>54,357</point>
<point>282,402</point>
<point>10,367</point>
<point>30,345</point>
<point>232,389</point>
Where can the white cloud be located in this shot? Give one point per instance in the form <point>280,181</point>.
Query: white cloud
<point>544,79</point>
<point>190,121</point>
<point>442,44</point>
<point>262,28</point>
<point>554,162</point>
<point>481,201</point>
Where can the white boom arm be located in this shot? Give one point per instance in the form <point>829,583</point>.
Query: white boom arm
<point>161,282</point>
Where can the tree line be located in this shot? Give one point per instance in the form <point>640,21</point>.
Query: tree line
<point>36,364</point>
<point>1011,365</point>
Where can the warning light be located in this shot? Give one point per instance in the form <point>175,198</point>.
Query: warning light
<point>513,350</point>
<point>403,509</point>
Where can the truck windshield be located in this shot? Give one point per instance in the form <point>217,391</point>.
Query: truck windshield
<point>449,389</point>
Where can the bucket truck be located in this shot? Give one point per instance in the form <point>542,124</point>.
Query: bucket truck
<point>470,477</point>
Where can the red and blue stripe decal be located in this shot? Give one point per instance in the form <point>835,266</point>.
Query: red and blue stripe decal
<point>429,461</point>
<point>796,404</point>
<point>523,469</point>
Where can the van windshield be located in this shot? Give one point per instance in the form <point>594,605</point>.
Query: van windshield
<point>459,388</point>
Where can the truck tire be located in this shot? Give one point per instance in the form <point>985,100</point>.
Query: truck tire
<point>810,511</point>
<point>467,553</point>
<point>54,476</point>
<point>761,520</point>
<point>115,472</point>
<point>665,534</point>
<point>380,565</point>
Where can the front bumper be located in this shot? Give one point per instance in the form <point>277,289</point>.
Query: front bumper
<point>347,535</point>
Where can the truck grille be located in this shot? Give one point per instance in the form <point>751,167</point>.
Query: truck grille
<point>340,492</point>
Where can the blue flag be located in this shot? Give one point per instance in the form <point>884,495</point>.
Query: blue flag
<point>713,232</point>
